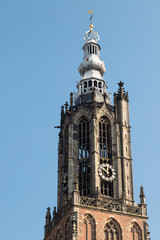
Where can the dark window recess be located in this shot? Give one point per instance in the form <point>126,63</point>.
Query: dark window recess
<point>95,83</point>
<point>105,152</point>
<point>107,188</point>
<point>93,48</point>
<point>100,85</point>
<point>85,84</point>
<point>88,49</point>
<point>90,83</point>
<point>84,158</point>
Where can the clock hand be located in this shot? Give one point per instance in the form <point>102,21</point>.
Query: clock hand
<point>106,171</point>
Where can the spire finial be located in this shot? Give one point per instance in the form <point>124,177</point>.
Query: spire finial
<point>91,12</point>
<point>142,196</point>
<point>91,35</point>
<point>48,216</point>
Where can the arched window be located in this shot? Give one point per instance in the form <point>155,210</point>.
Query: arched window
<point>84,157</point>
<point>90,83</point>
<point>136,232</point>
<point>112,230</point>
<point>67,230</point>
<point>95,83</point>
<point>90,231</point>
<point>105,152</point>
<point>85,84</point>
<point>100,85</point>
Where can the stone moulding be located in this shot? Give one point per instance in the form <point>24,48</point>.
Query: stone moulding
<point>110,205</point>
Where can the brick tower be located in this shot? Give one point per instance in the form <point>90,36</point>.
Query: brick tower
<point>95,181</point>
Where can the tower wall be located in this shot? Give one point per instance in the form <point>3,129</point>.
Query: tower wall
<point>95,181</point>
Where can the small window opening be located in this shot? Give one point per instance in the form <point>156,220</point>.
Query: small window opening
<point>95,49</point>
<point>85,84</point>
<point>90,83</point>
<point>95,83</point>
<point>90,49</point>
<point>100,85</point>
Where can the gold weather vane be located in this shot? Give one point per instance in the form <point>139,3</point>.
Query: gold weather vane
<point>91,12</point>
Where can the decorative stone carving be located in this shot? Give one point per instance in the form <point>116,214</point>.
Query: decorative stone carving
<point>74,225</point>
<point>110,205</point>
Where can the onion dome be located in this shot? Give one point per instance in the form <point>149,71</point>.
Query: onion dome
<point>91,50</point>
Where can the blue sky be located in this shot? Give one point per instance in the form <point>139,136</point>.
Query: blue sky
<point>40,51</point>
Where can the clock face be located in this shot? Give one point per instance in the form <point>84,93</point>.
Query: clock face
<point>106,172</point>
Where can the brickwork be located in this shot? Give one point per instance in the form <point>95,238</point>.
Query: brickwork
<point>101,218</point>
<point>97,220</point>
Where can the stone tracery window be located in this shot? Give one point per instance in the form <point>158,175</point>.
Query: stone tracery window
<point>90,231</point>
<point>113,230</point>
<point>136,232</point>
<point>105,152</point>
<point>84,157</point>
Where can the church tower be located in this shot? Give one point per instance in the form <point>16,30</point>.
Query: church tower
<point>95,177</point>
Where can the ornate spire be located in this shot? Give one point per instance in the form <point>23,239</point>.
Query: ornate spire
<point>121,92</point>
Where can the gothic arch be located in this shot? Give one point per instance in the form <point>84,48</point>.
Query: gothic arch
<point>112,230</point>
<point>108,113</point>
<point>58,235</point>
<point>82,113</point>
<point>85,117</point>
<point>135,231</point>
<point>90,227</point>
<point>67,229</point>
